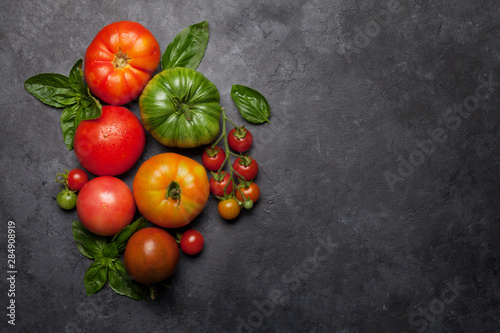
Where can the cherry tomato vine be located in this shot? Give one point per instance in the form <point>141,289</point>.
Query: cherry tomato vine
<point>232,196</point>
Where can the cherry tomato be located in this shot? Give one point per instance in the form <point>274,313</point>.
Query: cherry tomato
<point>120,61</point>
<point>105,205</point>
<point>246,167</point>
<point>248,204</point>
<point>111,144</point>
<point>218,182</point>
<point>240,139</point>
<point>151,255</point>
<point>251,192</point>
<point>229,208</point>
<point>192,242</point>
<point>213,157</point>
<point>76,179</point>
<point>66,199</point>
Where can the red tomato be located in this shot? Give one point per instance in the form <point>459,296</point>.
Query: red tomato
<point>240,139</point>
<point>111,144</point>
<point>120,61</point>
<point>105,205</point>
<point>213,157</point>
<point>218,182</point>
<point>228,209</point>
<point>151,255</point>
<point>246,167</point>
<point>171,189</point>
<point>76,179</point>
<point>251,192</point>
<point>192,242</point>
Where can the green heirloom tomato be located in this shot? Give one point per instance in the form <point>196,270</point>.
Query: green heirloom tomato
<point>180,108</point>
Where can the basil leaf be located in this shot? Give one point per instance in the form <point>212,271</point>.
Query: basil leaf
<point>87,108</point>
<point>89,244</point>
<point>52,89</point>
<point>68,127</point>
<point>69,93</point>
<point>90,109</point>
<point>76,78</point>
<point>95,277</point>
<point>251,104</point>
<point>122,283</point>
<point>110,251</point>
<point>123,236</point>
<point>187,48</point>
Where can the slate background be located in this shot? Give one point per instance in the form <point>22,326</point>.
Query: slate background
<point>422,256</point>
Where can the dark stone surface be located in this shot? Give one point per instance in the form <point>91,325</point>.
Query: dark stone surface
<point>348,235</point>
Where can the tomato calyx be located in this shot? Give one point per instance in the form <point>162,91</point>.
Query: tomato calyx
<point>178,237</point>
<point>245,160</point>
<point>219,175</point>
<point>62,178</point>
<point>212,151</point>
<point>173,191</point>
<point>121,59</point>
<point>240,132</point>
<point>182,106</point>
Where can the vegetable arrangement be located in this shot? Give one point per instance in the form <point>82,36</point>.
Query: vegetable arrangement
<point>179,107</point>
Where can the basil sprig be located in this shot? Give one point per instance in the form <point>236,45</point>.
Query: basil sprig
<point>187,48</point>
<point>107,266</point>
<point>69,93</point>
<point>252,104</point>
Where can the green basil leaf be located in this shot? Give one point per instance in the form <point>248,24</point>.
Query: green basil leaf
<point>110,251</point>
<point>90,109</point>
<point>76,78</point>
<point>188,47</point>
<point>52,89</point>
<point>87,108</point>
<point>68,128</point>
<point>69,93</point>
<point>122,283</point>
<point>251,104</point>
<point>89,244</point>
<point>95,277</point>
<point>121,238</point>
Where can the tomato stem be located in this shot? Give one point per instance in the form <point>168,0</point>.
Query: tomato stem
<point>237,155</point>
<point>216,142</point>
<point>152,292</point>
<point>62,178</point>
<point>174,191</point>
<point>121,59</point>
<point>228,155</point>
<point>231,122</point>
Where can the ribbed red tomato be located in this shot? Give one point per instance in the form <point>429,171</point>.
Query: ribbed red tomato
<point>111,144</point>
<point>151,255</point>
<point>120,61</point>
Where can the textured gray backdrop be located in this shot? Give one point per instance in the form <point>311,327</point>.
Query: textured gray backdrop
<point>379,172</point>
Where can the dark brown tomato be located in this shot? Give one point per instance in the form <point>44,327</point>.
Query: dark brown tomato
<point>151,255</point>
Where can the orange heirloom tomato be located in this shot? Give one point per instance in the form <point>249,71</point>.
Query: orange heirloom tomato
<point>120,61</point>
<point>170,190</point>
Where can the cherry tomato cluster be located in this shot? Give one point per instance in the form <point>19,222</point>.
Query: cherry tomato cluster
<point>232,196</point>
<point>73,182</point>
